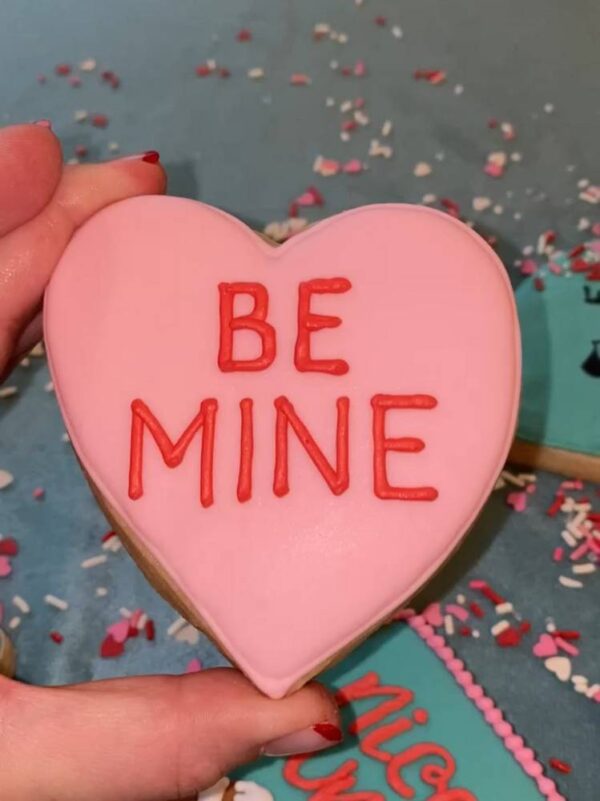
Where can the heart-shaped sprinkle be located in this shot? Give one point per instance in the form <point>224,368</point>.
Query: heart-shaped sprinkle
<point>110,648</point>
<point>5,567</point>
<point>518,501</point>
<point>433,615</point>
<point>119,631</point>
<point>560,666</point>
<point>545,646</point>
<point>6,479</point>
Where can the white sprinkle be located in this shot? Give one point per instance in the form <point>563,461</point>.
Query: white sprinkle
<point>387,128</point>
<point>582,507</point>
<point>21,604</point>
<point>113,147</point>
<point>344,136</point>
<point>88,65</point>
<point>330,102</point>
<point>334,64</point>
<point>8,392</point>
<point>583,224</point>
<point>142,620</point>
<point>101,592</point>
<point>481,203</point>
<point>531,478</point>
<point>584,569</point>
<point>57,603</point>
<point>449,625</point>
<point>211,64</point>
<point>346,106</point>
<point>6,479</point>
<point>504,608</point>
<point>498,209</point>
<point>516,156</point>
<point>512,479</point>
<point>124,612</point>
<point>361,118</point>
<point>397,32</point>
<point>459,89</point>
<point>500,483</point>
<point>428,199</point>
<point>475,633</point>
<point>421,169</point>
<point>343,38</point>
<point>49,387</point>
<point>94,561</point>
<point>581,688</point>
<point>499,627</point>
<point>188,634</point>
<point>461,599</point>
<point>176,626</point>
<point>38,350</point>
<point>572,584</point>
<point>578,678</point>
<point>14,622</point>
<point>256,73</point>
<point>80,116</point>
<point>568,538</point>
<point>549,108</point>
<point>25,362</point>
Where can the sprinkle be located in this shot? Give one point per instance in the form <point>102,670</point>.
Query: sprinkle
<point>504,608</point>
<point>80,116</point>
<point>458,611</point>
<point>386,128</point>
<point>397,32</point>
<point>568,538</point>
<point>8,392</point>
<point>149,630</point>
<point>499,627</point>
<point>88,65</point>
<point>421,169</point>
<point>8,546</point>
<point>572,584</point>
<point>300,79</point>
<point>450,207</point>
<point>49,386</point>
<point>94,561</point>
<point>56,637</point>
<point>509,638</point>
<point>434,77</point>
<point>110,648</point>
<point>584,569</point>
<point>481,203</point>
<point>449,625</point>
<point>63,69</point>
<point>124,612</point>
<point>101,592</point>
<point>549,108</point>
<point>244,35</point>
<point>567,647</point>
<point>558,554</point>
<point>554,508</point>
<point>476,609</point>
<point>5,567</point>
<point>193,666</point>
<point>566,634</point>
<point>57,603</point>
<point>6,479</point>
<point>353,167</point>
<point>202,70</point>
<point>188,634</point>
<point>559,765</point>
<point>99,120</point>
<point>465,631</point>
<point>176,626</point>
<point>21,604</point>
<point>485,589</point>
<point>14,622</point>
<point>38,494</point>
<point>256,73</point>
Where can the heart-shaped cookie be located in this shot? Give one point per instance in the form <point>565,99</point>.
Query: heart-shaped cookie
<point>292,439</point>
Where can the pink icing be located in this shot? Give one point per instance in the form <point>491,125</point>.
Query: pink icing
<point>513,742</point>
<point>132,312</point>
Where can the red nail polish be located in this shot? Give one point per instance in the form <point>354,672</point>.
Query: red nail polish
<point>151,156</point>
<point>329,731</point>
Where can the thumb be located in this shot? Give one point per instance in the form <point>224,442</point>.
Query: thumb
<point>154,738</point>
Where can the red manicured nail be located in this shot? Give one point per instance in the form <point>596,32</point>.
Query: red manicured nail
<point>329,731</point>
<point>151,156</point>
<point>307,741</point>
<point>43,123</point>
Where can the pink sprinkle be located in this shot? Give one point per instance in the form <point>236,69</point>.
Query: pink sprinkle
<point>5,567</point>
<point>597,697</point>
<point>556,269</point>
<point>299,79</point>
<point>518,501</point>
<point>459,612</point>
<point>119,631</point>
<point>353,167</point>
<point>495,170</point>
<point>574,484</point>
<point>359,102</point>
<point>360,69</point>
<point>193,666</point>
<point>558,554</point>
<point>580,551</point>
<point>433,615</point>
<point>528,267</point>
<point>567,647</point>
<point>41,79</point>
<point>38,494</point>
<point>75,81</point>
<point>596,229</point>
<point>306,199</point>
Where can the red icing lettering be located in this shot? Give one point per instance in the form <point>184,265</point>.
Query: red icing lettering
<point>244,487</point>
<point>381,445</point>
<point>255,321</point>
<point>338,479</point>
<point>172,452</point>
<point>369,687</point>
<point>309,323</point>
<point>371,741</point>
<point>436,776</point>
<point>292,775</point>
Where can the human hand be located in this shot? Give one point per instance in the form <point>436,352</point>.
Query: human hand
<point>154,738</point>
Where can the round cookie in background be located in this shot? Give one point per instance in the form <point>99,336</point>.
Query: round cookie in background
<point>559,416</point>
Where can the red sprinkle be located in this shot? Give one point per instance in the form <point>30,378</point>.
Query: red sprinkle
<point>492,123</point>
<point>465,631</point>
<point>450,206</point>
<point>149,630</point>
<point>539,283</point>
<point>110,648</point>
<point>63,69</point>
<point>224,72</point>
<point>525,627</point>
<point>580,266</point>
<point>476,609</point>
<point>111,78</point>
<point>577,251</point>
<point>554,507</point>
<point>202,70</point>
<point>490,594</point>
<point>509,638</point>
<point>244,35</point>
<point>99,120</point>
<point>80,151</point>
<point>56,637</point>
<point>108,536</point>
<point>566,635</point>
<point>381,21</point>
<point>9,547</point>
<point>560,765</point>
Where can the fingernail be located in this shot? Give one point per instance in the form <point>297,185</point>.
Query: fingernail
<point>149,156</point>
<point>43,123</point>
<point>307,741</point>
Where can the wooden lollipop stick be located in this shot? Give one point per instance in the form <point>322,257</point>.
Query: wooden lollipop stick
<point>7,656</point>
